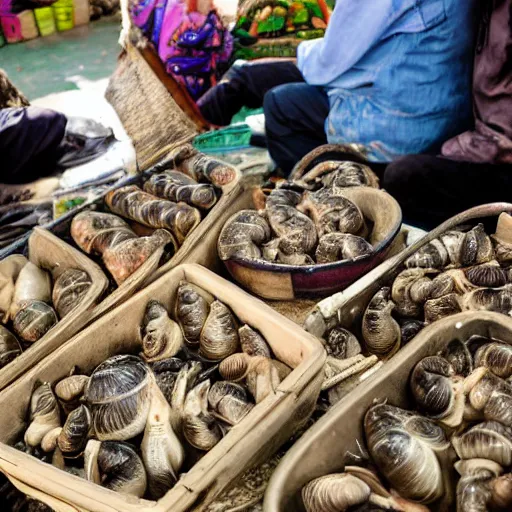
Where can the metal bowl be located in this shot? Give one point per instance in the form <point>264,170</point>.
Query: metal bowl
<point>286,282</point>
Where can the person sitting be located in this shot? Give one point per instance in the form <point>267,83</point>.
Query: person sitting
<point>474,167</point>
<point>392,76</point>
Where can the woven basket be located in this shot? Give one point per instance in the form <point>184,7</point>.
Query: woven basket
<point>154,111</point>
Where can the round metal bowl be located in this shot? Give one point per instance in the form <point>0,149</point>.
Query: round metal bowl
<point>286,282</point>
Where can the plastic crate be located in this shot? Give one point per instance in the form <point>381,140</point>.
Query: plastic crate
<point>225,139</point>
<point>45,21</point>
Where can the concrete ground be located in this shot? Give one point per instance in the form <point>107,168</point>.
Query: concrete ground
<point>62,61</point>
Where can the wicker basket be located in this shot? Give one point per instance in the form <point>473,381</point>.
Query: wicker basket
<point>250,442</point>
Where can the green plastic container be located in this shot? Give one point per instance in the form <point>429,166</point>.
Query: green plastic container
<point>45,21</point>
<point>63,14</point>
<point>226,139</point>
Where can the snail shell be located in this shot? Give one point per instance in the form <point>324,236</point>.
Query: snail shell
<point>253,343</point>
<point>473,488</point>
<point>235,367</point>
<point>186,379</point>
<point>10,269</point>
<point>33,284</point>
<point>342,344</point>
<point>403,446</point>
<point>219,337</point>
<point>436,309</point>
<point>491,395</point>
<point>69,290</point>
<point>49,441</point>
<point>502,239</point>
<point>489,299</point>
<point>476,247</point>
<point>432,255</point>
<point>34,320</point>
<point>166,372</point>
<point>123,259</point>
<point>381,332</point>
<point>437,390</point>
<point>497,357</point>
<point>296,231</point>
<point>501,493</point>
<point>347,174</point>
<point>116,466</point>
<point>341,246</point>
<point>262,378</point>
<point>335,493</point>
<point>200,428</point>
<point>459,356</point>
<point>118,394</point>
<point>192,309</point>
<point>242,235</point>
<point>332,213</point>
<point>487,275</point>
<point>161,337</point>
<point>409,329</point>
<point>490,440</point>
<point>72,387</point>
<point>452,241</point>
<point>9,346</point>
<point>74,434</point>
<point>44,415</point>
<point>177,186</point>
<point>415,280</point>
<point>229,401</point>
<point>162,452</point>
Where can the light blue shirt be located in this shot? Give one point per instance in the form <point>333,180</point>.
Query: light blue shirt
<point>397,72</point>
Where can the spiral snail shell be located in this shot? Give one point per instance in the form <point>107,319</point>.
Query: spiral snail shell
<point>431,255</point>
<point>229,401</point>
<point>74,434</point>
<point>44,415</point>
<point>219,337</point>
<point>438,391</point>
<point>403,446</point>
<point>341,246</point>
<point>242,235</point>
<point>116,466</point>
<point>489,299</point>
<point>9,346</point>
<point>200,428</point>
<point>118,394</point>
<point>161,337</point>
<point>489,440</point>
<point>341,343</point>
<point>459,356</point>
<point>192,309</point>
<point>34,320</point>
<point>497,357</point>
<point>346,174</point>
<point>381,332</point>
<point>476,247</point>
<point>69,290</point>
<point>441,307</point>
<point>253,343</point>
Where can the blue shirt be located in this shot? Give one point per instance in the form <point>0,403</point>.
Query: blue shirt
<point>397,72</point>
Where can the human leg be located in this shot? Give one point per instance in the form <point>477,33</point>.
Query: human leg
<point>246,86</point>
<point>30,141</point>
<point>294,121</point>
<point>432,189</point>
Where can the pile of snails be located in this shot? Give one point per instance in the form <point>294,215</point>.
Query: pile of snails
<point>138,421</point>
<point>462,270</point>
<point>303,222</point>
<point>464,421</point>
<point>163,213</point>
<point>31,305</point>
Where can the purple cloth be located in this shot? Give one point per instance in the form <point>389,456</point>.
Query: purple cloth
<point>30,141</point>
<point>491,140</point>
